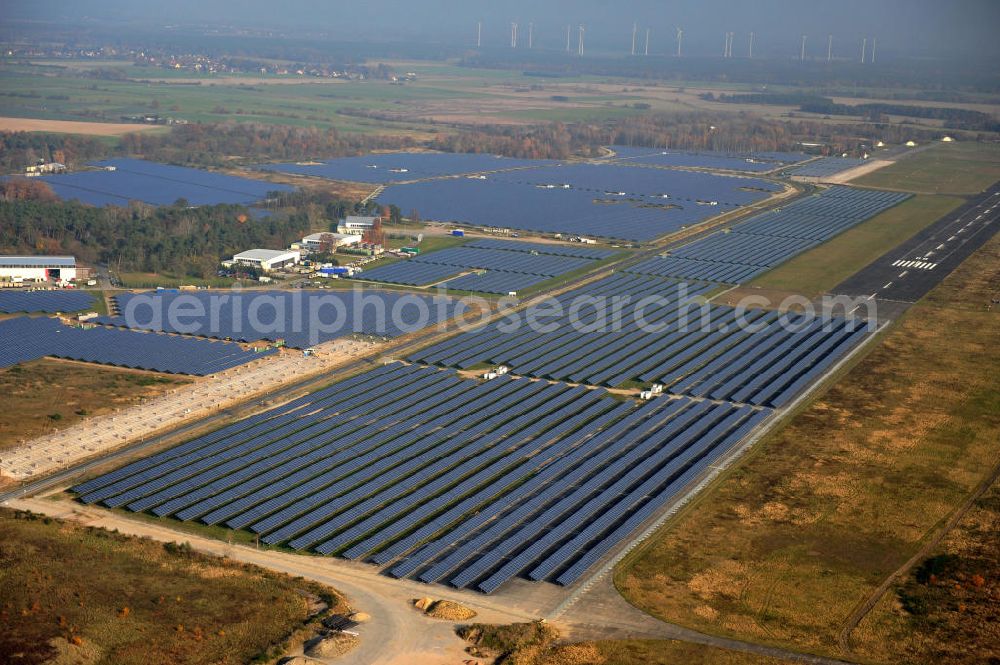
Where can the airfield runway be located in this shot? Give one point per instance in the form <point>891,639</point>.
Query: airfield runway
<point>907,272</point>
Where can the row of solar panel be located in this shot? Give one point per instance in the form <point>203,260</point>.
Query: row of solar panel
<point>23,339</point>
<point>579,251</point>
<point>825,166</point>
<point>494,281</point>
<point>303,318</point>
<point>604,200</point>
<point>443,478</point>
<point>124,180</point>
<point>50,302</point>
<point>741,161</point>
<point>757,357</point>
<point>508,265</point>
<point>410,273</point>
<point>768,239</point>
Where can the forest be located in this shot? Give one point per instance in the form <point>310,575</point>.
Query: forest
<point>142,238</point>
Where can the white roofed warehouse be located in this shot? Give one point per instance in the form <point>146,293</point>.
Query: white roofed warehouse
<point>267,259</point>
<point>37,268</point>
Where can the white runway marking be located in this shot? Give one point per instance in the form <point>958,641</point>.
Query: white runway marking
<point>887,285</point>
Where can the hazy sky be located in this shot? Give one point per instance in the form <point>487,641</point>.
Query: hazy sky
<point>910,27</point>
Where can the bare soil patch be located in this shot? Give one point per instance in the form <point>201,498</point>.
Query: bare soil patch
<point>73,127</point>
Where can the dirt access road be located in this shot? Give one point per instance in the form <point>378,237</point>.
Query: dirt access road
<point>398,634</point>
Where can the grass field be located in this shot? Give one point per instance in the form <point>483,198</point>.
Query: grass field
<point>784,545</point>
<point>821,268</point>
<point>950,598</point>
<point>46,394</point>
<point>155,603</point>
<point>947,168</point>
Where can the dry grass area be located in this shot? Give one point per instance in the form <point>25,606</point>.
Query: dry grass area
<point>539,644</point>
<point>73,594</point>
<point>786,544</point>
<point>950,601</point>
<point>46,394</point>
<point>73,127</point>
<point>946,168</point>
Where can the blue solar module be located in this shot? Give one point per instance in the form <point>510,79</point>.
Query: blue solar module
<point>302,318</point>
<point>394,167</point>
<point>490,266</point>
<point>50,302</point>
<point>23,339</point>
<point>750,162</point>
<point>409,272</point>
<point>604,199</point>
<point>679,343</point>
<point>825,166</point>
<point>470,481</point>
<point>701,158</point>
<point>494,281</point>
<point>579,251</point>
<point>156,184</point>
<point>763,241</point>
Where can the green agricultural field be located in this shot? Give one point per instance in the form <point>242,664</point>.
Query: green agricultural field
<point>442,93</point>
<point>821,268</point>
<point>947,168</point>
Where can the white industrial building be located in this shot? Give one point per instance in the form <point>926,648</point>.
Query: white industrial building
<point>315,240</point>
<point>37,268</point>
<point>267,259</point>
<point>355,224</point>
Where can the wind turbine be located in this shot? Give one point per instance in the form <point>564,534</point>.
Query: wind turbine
<point>829,48</point>
<point>864,47</point>
<point>680,40</point>
<point>479,34</point>
<point>513,35</point>
<point>634,28</point>
<point>750,52</point>
<point>531,33</point>
<point>802,52</point>
<point>873,50</point>
<point>567,38</point>
<point>647,41</point>
<point>579,43</point>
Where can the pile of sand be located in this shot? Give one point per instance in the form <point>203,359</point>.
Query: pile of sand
<point>443,609</point>
<point>332,645</point>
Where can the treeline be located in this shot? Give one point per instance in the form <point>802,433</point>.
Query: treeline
<point>957,118</point>
<point>220,144</point>
<point>21,149</point>
<point>141,238</point>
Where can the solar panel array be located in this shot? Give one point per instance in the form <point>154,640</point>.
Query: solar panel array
<point>49,302</point>
<point>500,266</point>
<point>23,339</point>
<point>825,166</point>
<point>302,318</point>
<point>439,478</point>
<point>156,184</point>
<point>603,199</point>
<point>698,350</point>
<point>494,281</point>
<point>579,251</point>
<point>763,241</point>
<point>749,162</point>
<point>394,167</point>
